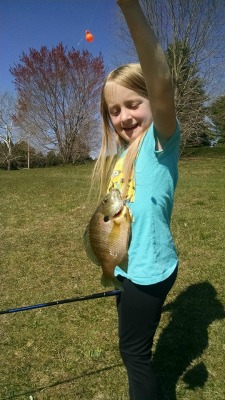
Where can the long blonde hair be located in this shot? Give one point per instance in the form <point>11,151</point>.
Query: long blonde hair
<point>131,77</point>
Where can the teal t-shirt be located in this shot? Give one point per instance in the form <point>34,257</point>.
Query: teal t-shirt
<point>152,255</point>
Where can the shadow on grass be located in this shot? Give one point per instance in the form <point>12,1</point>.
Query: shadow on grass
<point>62,382</point>
<point>185,338</point>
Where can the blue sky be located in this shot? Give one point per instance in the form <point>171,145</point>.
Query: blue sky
<point>28,24</point>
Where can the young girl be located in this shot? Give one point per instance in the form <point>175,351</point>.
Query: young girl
<point>139,124</point>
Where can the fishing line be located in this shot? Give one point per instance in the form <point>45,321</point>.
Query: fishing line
<point>57,302</point>
<point>90,20</point>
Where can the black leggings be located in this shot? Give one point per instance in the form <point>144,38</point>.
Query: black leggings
<point>139,311</point>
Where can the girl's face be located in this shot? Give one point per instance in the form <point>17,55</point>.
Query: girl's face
<point>129,112</point>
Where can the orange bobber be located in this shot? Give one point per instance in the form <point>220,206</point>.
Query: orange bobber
<point>89,37</point>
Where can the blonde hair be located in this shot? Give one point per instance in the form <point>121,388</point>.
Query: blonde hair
<point>131,77</point>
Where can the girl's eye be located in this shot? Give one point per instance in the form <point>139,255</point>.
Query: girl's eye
<point>134,106</point>
<point>114,113</point>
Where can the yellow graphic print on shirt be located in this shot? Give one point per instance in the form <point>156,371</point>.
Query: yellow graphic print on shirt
<point>117,179</point>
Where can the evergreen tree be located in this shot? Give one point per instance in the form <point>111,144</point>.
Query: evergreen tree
<point>189,95</point>
<point>217,115</point>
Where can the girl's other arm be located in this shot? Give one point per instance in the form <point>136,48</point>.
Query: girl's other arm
<point>154,66</point>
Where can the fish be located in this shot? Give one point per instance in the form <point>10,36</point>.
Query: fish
<point>107,237</point>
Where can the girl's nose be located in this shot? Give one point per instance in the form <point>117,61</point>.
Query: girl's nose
<point>125,115</point>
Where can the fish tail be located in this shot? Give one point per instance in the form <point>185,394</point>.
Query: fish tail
<point>111,281</point>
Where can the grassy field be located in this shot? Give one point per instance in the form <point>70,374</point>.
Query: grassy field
<point>70,351</point>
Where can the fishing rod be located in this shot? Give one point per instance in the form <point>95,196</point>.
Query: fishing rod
<point>57,302</point>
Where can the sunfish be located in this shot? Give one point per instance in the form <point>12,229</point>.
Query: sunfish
<point>107,236</point>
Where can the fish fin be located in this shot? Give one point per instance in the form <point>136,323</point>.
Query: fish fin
<point>88,248</point>
<point>107,282</point>
<point>114,232</point>
<point>118,221</point>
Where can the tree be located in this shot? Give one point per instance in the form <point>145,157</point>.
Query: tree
<point>7,108</point>
<point>58,93</point>
<point>189,95</point>
<point>191,32</point>
<point>217,115</point>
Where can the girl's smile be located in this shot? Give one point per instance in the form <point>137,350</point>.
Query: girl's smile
<point>129,112</point>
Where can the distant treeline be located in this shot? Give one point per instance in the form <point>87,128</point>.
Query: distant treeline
<point>25,156</point>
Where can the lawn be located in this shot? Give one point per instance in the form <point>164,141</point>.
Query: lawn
<point>70,351</point>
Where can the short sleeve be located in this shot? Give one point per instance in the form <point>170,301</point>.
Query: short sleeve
<point>171,144</point>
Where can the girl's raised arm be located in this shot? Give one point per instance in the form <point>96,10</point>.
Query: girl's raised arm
<point>154,66</point>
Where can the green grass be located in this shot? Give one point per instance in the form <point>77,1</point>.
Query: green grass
<point>70,351</point>
<point>206,152</point>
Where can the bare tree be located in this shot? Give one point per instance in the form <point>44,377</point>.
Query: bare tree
<point>7,109</point>
<point>192,33</point>
<point>58,93</point>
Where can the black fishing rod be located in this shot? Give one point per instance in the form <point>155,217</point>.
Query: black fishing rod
<point>57,302</point>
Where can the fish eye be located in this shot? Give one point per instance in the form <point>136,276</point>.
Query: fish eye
<point>106,218</point>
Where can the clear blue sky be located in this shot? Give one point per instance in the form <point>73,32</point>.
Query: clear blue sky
<point>28,24</point>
